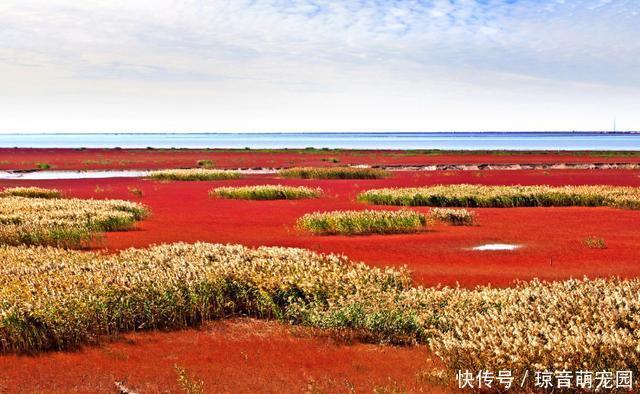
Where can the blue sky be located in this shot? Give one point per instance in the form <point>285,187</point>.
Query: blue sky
<point>312,65</point>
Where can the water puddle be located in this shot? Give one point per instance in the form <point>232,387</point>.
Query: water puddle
<point>497,247</point>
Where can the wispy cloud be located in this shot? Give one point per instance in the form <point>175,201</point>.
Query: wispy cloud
<point>291,64</point>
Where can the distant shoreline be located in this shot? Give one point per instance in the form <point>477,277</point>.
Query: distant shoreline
<point>80,159</point>
<point>442,141</point>
<point>552,132</point>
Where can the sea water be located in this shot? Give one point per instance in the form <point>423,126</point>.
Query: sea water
<point>449,140</point>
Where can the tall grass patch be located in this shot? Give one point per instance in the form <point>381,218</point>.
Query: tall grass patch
<point>333,173</point>
<point>63,222</point>
<point>194,174</point>
<point>465,195</point>
<point>266,192</point>
<point>31,192</point>
<point>593,242</point>
<point>55,299</point>
<point>362,222</point>
<point>454,217</point>
<point>204,163</point>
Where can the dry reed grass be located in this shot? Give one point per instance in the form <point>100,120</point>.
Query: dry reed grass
<point>362,222</point>
<point>52,298</point>
<point>465,195</point>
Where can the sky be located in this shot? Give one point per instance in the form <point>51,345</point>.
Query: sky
<point>318,65</point>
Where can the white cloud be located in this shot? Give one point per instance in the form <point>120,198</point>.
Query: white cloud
<point>197,65</point>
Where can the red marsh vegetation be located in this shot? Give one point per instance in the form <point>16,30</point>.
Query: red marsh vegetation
<point>552,239</point>
<point>230,356</point>
<point>245,355</point>
<point>83,159</point>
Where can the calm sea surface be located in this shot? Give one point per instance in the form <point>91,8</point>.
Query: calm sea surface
<point>467,141</point>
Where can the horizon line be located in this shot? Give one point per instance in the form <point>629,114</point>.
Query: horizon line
<point>317,132</point>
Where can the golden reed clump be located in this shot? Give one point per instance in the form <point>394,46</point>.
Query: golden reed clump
<point>266,192</point>
<point>363,222</point>
<point>334,173</point>
<point>31,192</point>
<point>454,217</point>
<point>63,222</point>
<point>52,298</point>
<point>570,325</point>
<point>465,195</point>
<point>194,174</point>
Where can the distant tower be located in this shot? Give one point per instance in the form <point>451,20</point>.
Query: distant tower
<point>614,125</point>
